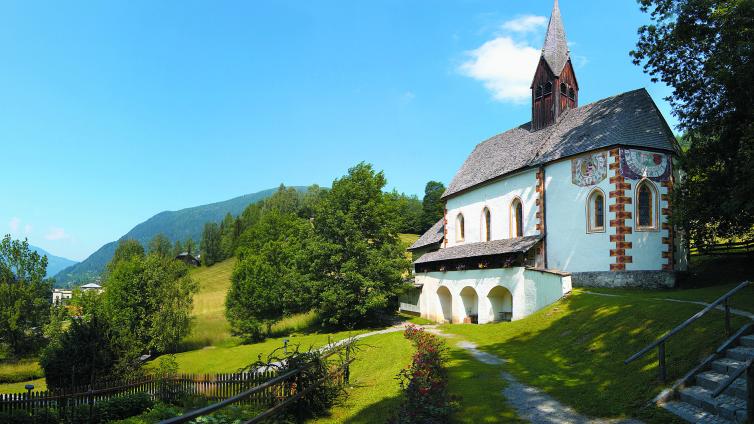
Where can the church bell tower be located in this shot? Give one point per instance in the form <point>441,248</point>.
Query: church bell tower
<point>554,88</point>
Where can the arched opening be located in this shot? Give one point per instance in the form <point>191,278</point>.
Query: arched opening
<point>538,92</point>
<point>460,228</point>
<point>571,93</point>
<point>470,302</point>
<point>595,211</point>
<point>486,221</point>
<point>646,206</point>
<point>445,304</point>
<point>548,88</point>
<point>563,88</point>
<point>501,304</point>
<point>517,218</point>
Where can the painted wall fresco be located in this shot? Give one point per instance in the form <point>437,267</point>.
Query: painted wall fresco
<point>589,170</point>
<point>638,164</point>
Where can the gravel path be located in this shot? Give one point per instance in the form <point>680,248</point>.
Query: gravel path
<point>530,403</point>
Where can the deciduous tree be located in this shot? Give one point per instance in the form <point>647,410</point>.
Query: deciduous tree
<point>25,296</point>
<point>704,50</point>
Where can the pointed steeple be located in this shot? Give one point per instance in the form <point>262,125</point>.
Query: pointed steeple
<point>555,49</point>
<point>554,88</point>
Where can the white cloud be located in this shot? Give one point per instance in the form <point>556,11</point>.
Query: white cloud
<point>14,224</point>
<point>506,64</point>
<point>524,24</point>
<point>56,233</point>
<point>506,68</point>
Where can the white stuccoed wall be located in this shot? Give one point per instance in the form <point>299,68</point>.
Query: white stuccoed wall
<point>497,197</point>
<point>569,247</point>
<point>530,290</point>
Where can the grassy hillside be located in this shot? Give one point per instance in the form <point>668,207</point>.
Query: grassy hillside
<point>176,225</point>
<point>210,328</point>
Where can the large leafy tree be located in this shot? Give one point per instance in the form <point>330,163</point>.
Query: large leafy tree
<point>148,302</point>
<point>269,280</point>
<point>126,250</point>
<point>432,205</point>
<point>25,296</point>
<point>160,245</point>
<point>356,258</point>
<point>408,210</point>
<point>210,245</point>
<point>704,50</point>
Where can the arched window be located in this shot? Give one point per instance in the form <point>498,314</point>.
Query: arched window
<point>571,93</point>
<point>538,91</point>
<point>563,88</point>
<point>595,210</point>
<point>646,206</point>
<point>517,218</point>
<point>548,88</point>
<point>486,221</point>
<point>460,228</point>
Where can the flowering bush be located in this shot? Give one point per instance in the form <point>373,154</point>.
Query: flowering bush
<point>424,382</point>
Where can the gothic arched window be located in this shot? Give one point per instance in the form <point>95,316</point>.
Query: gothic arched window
<point>571,93</point>
<point>517,218</point>
<point>595,209</point>
<point>538,92</point>
<point>460,228</point>
<point>646,206</point>
<point>563,88</point>
<point>548,88</point>
<point>486,221</point>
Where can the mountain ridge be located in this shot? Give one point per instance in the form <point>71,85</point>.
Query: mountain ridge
<point>175,225</point>
<point>55,263</point>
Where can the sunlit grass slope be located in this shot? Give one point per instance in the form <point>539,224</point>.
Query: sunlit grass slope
<point>226,359</point>
<point>575,348</point>
<point>210,327</point>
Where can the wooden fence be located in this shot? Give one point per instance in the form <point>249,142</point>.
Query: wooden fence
<point>727,248</point>
<point>213,387</point>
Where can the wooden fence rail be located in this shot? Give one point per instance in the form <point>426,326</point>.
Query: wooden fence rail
<point>727,248</point>
<point>213,387</point>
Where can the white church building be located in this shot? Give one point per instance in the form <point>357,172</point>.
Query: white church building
<point>579,196</point>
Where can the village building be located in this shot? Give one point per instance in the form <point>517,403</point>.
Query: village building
<point>61,296</point>
<point>578,196</point>
<point>189,259</point>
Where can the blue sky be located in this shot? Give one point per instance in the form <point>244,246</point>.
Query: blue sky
<point>114,111</point>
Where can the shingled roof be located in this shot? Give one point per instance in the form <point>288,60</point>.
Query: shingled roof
<point>627,119</point>
<point>432,236</point>
<point>555,49</point>
<point>485,248</point>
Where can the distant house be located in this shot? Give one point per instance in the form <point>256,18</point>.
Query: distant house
<point>61,295</point>
<point>188,259</point>
<point>91,286</point>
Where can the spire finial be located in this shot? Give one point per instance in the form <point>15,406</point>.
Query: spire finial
<point>555,48</point>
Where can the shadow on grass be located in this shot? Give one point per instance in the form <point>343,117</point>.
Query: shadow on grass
<point>574,350</point>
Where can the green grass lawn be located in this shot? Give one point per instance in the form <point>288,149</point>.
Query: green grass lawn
<point>374,393</point>
<point>39,384</point>
<point>225,359</point>
<point>709,278</point>
<point>210,328</point>
<point>13,371</point>
<point>574,349</point>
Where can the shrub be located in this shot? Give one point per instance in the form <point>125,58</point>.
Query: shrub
<point>116,408</point>
<point>81,354</point>
<point>424,382</point>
